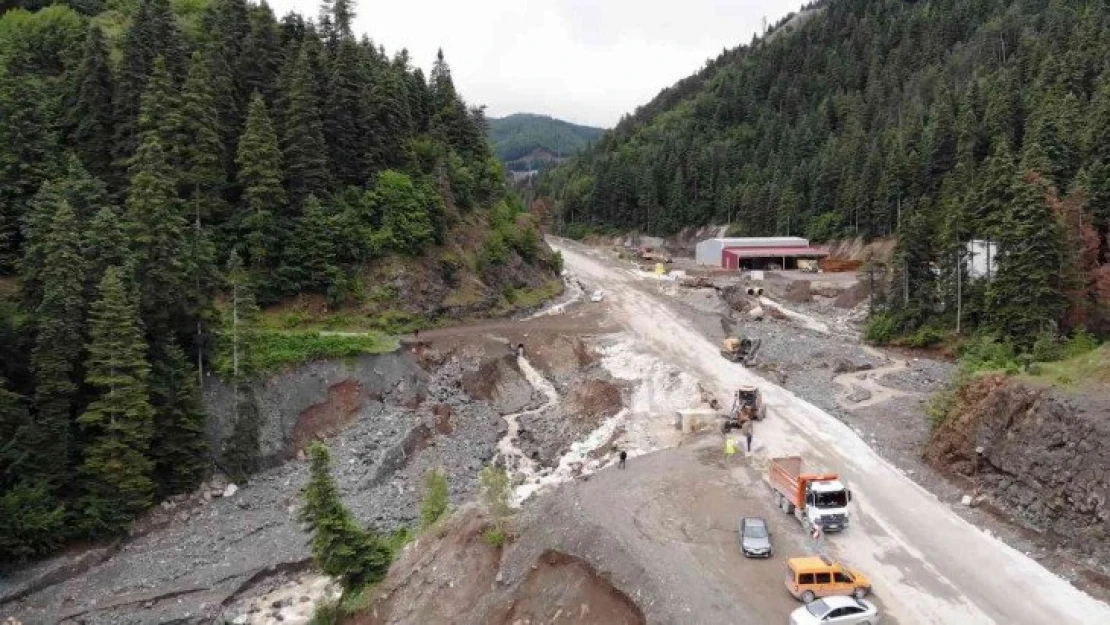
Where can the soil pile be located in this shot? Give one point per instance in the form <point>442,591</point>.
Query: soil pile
<point>1035,455</point>
<point>454,575</point>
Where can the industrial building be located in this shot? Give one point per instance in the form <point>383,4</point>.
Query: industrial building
<point>758,252</point>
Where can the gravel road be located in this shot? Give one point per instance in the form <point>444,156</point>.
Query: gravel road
<point>928,563</point>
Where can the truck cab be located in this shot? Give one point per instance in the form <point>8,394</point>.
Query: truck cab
<point>827,504</point>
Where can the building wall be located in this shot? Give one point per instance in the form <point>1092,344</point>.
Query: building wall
<point>709,251</point>
<point>976,262</point>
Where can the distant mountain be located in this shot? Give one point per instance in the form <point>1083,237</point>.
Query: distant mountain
<point>525,141</point>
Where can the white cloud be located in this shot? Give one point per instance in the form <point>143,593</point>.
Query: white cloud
<point>586,61</point>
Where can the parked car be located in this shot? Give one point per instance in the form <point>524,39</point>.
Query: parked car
<point>836,611</point>
<point>811,578</point>
<point>755,538</point>
<point>597,296</point>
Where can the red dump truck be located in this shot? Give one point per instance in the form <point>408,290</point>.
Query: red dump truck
<point>813,498</point>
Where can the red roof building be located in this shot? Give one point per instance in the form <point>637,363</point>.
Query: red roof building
<point>734,258</point>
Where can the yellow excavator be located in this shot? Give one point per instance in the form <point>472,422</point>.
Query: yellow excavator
<point>741,350</point>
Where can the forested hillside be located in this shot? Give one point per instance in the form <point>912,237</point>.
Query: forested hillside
<point>940,122</point>
<point>525,141</point>
<point>164,173</point>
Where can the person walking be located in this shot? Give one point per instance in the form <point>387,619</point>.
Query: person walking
<point>623,457</point>
<point>747,430</point>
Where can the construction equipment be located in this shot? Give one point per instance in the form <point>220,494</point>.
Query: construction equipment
<point>747,404</point>
<point>813,498</point>
<point>740,350</point>
<point>647,253</point>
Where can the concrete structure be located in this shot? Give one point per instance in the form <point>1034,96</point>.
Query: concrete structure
<point>982,259</point>
<point>709,251</point>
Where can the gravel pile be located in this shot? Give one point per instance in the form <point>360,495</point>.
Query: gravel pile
<point>923,376</point>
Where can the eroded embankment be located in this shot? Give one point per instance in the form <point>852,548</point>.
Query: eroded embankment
<point>1033,454</point>
<point>454,575</point>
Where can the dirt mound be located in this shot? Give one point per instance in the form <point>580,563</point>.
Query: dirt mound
<point>852,296</point>
<point>1034,455</point>
<point>500,382</point>
<point>593,400</point>
<point>561,356</point>
<point>564,589</point>
<point>453,575</point>
<point>442,578</point>
<point>880,250</point>
<point>798,292</point>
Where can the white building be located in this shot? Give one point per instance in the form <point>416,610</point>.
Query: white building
<point>709,251</point>
<point>979,254</point>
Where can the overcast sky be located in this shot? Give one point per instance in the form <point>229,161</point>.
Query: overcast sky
<point>585,61</point>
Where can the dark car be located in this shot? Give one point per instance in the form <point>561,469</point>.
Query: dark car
<point>755,538</point>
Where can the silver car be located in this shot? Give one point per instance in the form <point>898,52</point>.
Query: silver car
<point>755,538</point>
<point>836,610</point>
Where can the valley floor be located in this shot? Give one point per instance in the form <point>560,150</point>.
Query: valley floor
<point>655,542</point>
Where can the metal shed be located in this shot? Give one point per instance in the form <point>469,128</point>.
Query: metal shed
<point>710,251</point>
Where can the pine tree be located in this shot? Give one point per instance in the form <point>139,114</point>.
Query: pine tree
<point>159,116</point>
<point>303,148</point>
<point>1025,298</point>
<point>156,227</point>
<point>103,246</point>
<point>389,108</point>
<point>179,449</point>
<point>228,25</point>
<point>154,32</point>
<point>57,349</point>
<point>450,121</point>
<point>203,176</point>
<point>994,193</point>
<point>118,424</point>
<point>260,174</point>
<point>27,153</point>
<point>915,288</point>
<point>91,115</point>
<point>261,58</point>
<point>345,116</point>
<point>341,548</point>
<point>85,195</point>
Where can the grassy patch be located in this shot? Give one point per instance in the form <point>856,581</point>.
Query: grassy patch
<point>495,537</point>
<point>518,299</point>
<point>1088,369</point>
<point>274,349</point>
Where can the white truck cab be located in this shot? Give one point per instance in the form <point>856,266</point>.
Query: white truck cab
<point>827,505</point>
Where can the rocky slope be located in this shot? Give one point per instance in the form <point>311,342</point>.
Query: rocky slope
<point>1033,454</point>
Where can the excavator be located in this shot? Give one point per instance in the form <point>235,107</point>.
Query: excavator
<point>741,350</point>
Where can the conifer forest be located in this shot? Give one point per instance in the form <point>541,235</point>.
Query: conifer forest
<point>935,122</point>
<point>166,170</point>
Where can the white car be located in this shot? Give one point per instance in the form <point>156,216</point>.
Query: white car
<point>597,296</point>
<point>836,611</point>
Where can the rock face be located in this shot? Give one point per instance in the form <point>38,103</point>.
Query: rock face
<point>315,399</point>
<point>1037,456</point>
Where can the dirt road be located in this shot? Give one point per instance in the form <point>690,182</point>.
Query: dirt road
<point>929,565</point>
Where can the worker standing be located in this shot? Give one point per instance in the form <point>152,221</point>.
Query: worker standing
<point>624,457</point>
<point>730,449</point>
<point>747,429</point>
